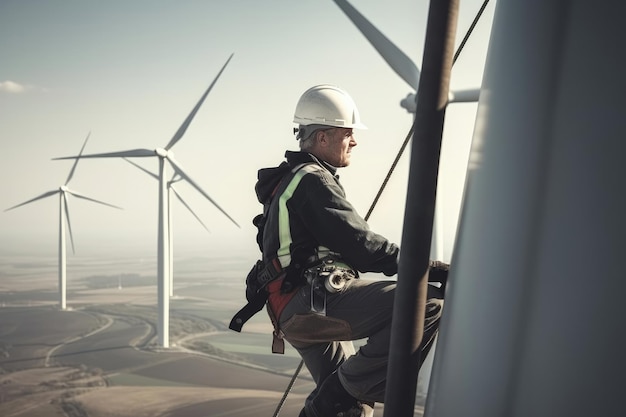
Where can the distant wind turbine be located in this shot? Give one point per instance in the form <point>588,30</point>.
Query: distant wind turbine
<point>171,190</point>
<point>165,154</point>
<point>408,71</point>
<point>63,191</point>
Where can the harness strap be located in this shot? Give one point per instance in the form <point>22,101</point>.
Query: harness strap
<point>274,269</point>
<point>269,273</point>
<point>254,306</point>
<point>276,303</point>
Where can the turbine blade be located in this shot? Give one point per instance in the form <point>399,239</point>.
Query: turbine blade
<point>155,176</point>
<point>397,60</point>
<point>189,208</point>
<point>78,195</point>
<point>69,177</point>
<point>464,96</point>
<point>137,153</point>
<point>180,172</point>
<point>181,130</point>
<point>67,217</point>
<point>44,195</point>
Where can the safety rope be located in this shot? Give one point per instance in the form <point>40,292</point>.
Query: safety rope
<point>384,184</point>
<point>288,390</point>
<point>410,134</point>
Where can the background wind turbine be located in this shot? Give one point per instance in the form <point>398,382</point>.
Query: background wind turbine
<point>171,190</point>
<point>408,71</point>
<point>64,218</point>
<point>165,154</point>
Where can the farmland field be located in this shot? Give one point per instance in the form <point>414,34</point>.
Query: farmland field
<point>99,357</point>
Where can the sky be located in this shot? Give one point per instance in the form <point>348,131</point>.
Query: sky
<point>128,73</point>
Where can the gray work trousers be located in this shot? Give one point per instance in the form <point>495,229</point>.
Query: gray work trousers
<point>362,310</point>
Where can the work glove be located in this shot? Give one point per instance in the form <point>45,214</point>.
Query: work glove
<point>439,273</point>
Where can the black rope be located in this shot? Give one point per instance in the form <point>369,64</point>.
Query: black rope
<point>469,31</point>
<point>391,169</point>
<point>288,390</point>
<point>384,184</point>
<point>408,136</point>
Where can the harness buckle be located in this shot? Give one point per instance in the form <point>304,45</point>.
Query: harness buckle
<point>330,276</point>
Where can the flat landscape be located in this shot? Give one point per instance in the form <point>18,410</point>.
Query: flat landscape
<point>99,357</point>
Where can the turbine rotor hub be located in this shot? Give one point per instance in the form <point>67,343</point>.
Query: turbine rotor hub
<point>409,103</point>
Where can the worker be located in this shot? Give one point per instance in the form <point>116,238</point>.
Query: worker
<point>314,245</point>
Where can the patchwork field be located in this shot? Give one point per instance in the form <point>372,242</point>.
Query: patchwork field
<point>99,358</point>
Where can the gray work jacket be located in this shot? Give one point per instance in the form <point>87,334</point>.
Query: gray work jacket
<point>306,211</point>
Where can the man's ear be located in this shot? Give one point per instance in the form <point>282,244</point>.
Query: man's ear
<point>321,137</point>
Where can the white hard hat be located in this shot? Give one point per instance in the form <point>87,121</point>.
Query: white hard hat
<point>329,106</point>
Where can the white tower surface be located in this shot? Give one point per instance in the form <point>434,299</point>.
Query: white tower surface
<point>534,316</point>
<point>170,224</point>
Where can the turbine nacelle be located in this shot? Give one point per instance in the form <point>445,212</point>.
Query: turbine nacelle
<point>460,96</point>
<point>409,103</point>
<point>163,153</point>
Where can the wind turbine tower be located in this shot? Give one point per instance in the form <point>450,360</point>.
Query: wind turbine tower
<point>64,222</point>
<point>165,154</point>
<point>171,190</point>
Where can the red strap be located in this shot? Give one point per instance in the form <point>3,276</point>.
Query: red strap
<point>276,300</point>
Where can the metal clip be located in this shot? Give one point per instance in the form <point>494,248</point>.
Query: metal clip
<point>318,296</point>
<point>335,281</point>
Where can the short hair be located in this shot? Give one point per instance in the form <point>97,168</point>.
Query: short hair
<point>309,142</point>
<point>306,144</point>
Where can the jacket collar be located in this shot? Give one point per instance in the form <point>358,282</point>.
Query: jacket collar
<point>297,158</point>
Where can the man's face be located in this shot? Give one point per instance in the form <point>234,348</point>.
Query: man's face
<point>338,145</point>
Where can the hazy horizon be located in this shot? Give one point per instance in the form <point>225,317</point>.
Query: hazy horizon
<point>130,73</point>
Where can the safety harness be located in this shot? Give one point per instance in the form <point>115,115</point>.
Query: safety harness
<point>274,283</point>
<point>258,278</point>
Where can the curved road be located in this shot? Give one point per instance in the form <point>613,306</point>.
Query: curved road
<point>109,320</point>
